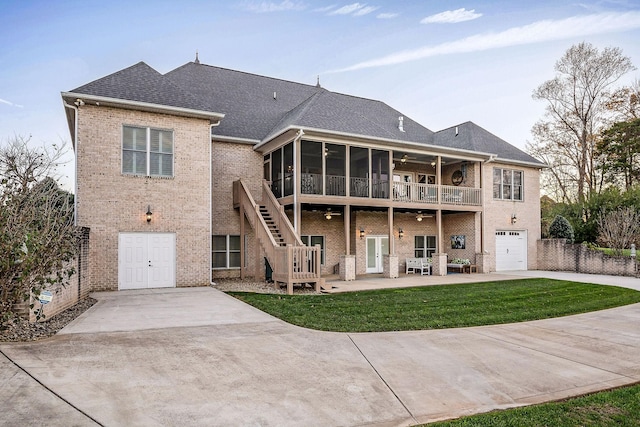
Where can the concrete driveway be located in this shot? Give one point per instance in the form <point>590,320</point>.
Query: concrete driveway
<point>199,357</point>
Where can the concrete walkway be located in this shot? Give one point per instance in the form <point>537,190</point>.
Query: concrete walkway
<point>199,357</point>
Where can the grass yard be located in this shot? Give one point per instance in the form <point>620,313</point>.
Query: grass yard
<point>620,408</point>
<point>439,307</point>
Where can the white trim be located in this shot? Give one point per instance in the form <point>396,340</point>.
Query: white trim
<point>143,106</point>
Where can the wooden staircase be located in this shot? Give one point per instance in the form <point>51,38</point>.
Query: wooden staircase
<point>272,226</point>
<point>292,261</point>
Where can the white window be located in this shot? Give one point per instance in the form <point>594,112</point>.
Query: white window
<point>507,184</point>
<point>225,252</point>
<point>315,240</point>
<point>425,246</point>
<point>147,151</point>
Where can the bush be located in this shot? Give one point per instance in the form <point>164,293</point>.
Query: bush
<point>561,229</point>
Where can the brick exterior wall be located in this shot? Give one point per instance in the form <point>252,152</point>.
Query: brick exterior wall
<point>497,213</point>
<point>230,162</point>
<point>557,255</point>
<point>110,202</point>
<point>76,290</point>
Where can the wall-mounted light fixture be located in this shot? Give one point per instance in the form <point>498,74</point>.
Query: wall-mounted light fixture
<point>149,213</point>
<point>400,233</point>
<point>362,232</point>
<point>327,215</point>
<point>514,219</point>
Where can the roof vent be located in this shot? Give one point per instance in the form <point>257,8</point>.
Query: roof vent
<point>400,123</point>
<point>456,130</point>
<point>197,61</point>
<point>275,95</point>
<point>318,82</point>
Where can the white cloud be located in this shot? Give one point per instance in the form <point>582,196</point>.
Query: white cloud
<point>325,9</point>
<point>11,104</point>
<point>537,32</point>
<point>365,10</point>
<point>452,17</point>
<point>348,9</point>
<point>387,15</point>
<point>266,6</point>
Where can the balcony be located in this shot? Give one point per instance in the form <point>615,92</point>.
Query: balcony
<point>402,192</point>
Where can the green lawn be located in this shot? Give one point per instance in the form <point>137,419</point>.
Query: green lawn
<point>439,307</point>
<point>620,408</point>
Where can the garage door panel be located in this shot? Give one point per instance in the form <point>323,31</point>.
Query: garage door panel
<point>511,250</point>
<point>146,260</point>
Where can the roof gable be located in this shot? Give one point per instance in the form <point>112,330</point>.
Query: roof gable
<point>469,136</point>
<point>141,83</point>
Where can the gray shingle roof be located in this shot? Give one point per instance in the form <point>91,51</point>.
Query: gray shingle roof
<point>258,108</point>
<point>141,83</point>
<point>469,136</point>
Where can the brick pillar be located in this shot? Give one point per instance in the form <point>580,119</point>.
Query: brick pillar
<point>347,267</point>
<point>390,266</point>
<point>483,262</point>
<point>439,264</point>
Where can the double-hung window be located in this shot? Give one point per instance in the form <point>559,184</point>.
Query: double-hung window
<point>507,184</point>
<point>225,251</point>
<point>425,246</point>
<point>147,151</point>
<point>313,241</point>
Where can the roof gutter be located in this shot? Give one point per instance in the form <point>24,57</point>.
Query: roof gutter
<point>143,106</point>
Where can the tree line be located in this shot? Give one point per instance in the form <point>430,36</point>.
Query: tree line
<point>589,137</point>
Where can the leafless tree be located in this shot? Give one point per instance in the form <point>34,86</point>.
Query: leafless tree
<point>575,113</point>
<point>618,229</point>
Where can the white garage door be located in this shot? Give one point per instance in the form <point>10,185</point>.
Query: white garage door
<point>511,250</point>
<point>146,260</point>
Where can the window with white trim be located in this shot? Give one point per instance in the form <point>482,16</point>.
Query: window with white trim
<point>225,253</point>
<point>425,246</point>
<point>147,151</point>
<point>315,240</point>
<point>507,184</point>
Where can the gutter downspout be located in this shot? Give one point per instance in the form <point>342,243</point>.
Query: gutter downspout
<point>75,153</point>
<point>491,158</point>
<point>295,182</point>
<point>211,126</point>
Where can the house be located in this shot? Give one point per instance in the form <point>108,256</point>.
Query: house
<point>205,173</point>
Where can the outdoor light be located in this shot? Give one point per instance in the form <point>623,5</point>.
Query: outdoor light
<point>514,219</point>
<point>361,232</point>
<point>149,213</point>
<point>419,217</point>
<point>400,233</point>
<point>327,215</point>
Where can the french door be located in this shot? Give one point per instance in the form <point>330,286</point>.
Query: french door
<point>377,246</point>
<point>146,260</point>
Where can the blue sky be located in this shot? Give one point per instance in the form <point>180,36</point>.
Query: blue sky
<point>439,62</point>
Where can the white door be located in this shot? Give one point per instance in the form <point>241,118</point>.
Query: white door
<point>377,246</point>
<point>146,260</point>
<point>511,250</point>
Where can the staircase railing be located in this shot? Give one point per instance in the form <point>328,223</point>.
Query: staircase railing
<point>242,196</point>
<point>280,218</point>
<point>293,263</point>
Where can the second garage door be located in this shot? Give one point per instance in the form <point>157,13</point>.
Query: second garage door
<point>511,250</point>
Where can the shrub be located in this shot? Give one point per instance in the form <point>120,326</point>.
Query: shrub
<point>561,229</point>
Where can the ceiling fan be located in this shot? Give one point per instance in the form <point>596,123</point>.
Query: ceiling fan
<point>328,214</point>
<point>406,157</point>
<point>420,216</point>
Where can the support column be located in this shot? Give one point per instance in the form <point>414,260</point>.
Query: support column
<point>392,239</point>
<point>347,229</point>
<point>390,266</point>
<point>347,267</point>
